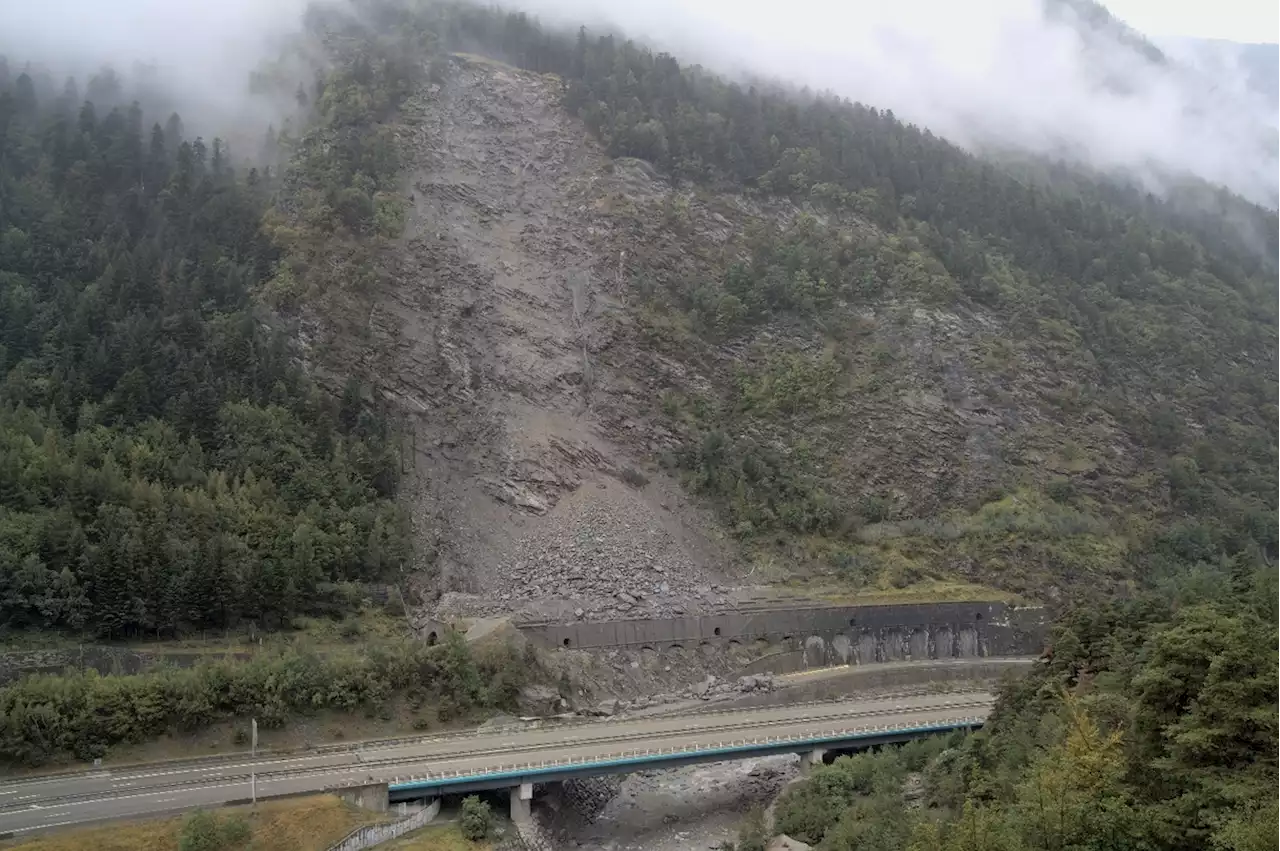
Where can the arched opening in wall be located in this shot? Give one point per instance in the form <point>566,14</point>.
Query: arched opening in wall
<point>788,638</point>
<point>566,642</point>
<point>842,646</point>
<point>734,644</point>
<point>432,638</point>
<point>853,621</point>
<point>717,630</point>
<point>977,616</point>
<point>707,648</point>
<point>815,651</point>
<point>676,648</point>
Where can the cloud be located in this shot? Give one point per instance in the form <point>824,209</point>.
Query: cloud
<point>979,72</point>
<point>201,52</point>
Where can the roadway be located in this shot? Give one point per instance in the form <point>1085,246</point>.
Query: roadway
<point>44,802</point>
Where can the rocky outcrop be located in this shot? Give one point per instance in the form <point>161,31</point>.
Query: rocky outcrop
<point>527,491</point>
<point>533,331</point>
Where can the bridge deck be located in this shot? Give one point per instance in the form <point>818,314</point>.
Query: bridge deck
<point>485,757</point>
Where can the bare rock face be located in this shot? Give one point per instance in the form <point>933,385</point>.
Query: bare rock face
<point>492,336</point>
<point>535,393</point>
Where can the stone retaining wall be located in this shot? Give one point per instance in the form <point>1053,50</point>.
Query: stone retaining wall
<point>825,635</point>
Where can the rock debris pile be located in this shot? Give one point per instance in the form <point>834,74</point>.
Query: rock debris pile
<point>711,688</point>
<point>607,554</point>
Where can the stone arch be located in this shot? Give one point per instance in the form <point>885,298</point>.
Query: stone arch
<point>432,638</point>
<point>842,646</point>
<point>865,651</point>
<point>944,643</point>
<point>918,643</point>
<point>815,651</point>
<point>894,648</point>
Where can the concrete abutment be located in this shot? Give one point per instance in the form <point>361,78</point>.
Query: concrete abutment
<point>522,804</point>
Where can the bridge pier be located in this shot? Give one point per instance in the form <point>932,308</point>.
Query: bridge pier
<point>521,803</point>
<point>809,759</point>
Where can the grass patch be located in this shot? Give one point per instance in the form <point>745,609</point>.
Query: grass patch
<point>926,591</point>
<point>296,824</point>
<point>439,837</point>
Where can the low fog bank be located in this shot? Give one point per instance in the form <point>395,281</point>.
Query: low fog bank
<point>191,57</point>
<point>984,72</point>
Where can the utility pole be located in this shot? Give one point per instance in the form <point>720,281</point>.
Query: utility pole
<point>253,738</point>
<point>253,787</point>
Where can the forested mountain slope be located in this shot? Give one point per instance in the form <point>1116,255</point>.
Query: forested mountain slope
<point>896,360</point>
<point>549,324</point>
<point>875,357</point>
<point>164,463</point>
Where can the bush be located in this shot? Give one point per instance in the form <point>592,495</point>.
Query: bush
<point>808,810</point>
<point>204,831</point>
<point>753,836</point>
<point>1061,491</point>
<point>476,820</point>
<point>875,508</point>
<point>85,713</point>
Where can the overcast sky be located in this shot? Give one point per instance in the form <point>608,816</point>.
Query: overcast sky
<point>1234,20</point>
<point>964,68</point>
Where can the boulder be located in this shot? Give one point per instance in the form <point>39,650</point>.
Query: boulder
<point>782,842</point>
<point>495,632</point>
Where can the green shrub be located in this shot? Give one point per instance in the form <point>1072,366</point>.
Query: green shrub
<point>753,836</point>
<point>83,714</point>
<point>875,508</point>
<point>476,820</point>
<point>205,831</point>
<point>807,810</point>
<point>1061,491</point>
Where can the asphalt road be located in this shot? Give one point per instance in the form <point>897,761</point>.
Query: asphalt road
<point>40,803</point>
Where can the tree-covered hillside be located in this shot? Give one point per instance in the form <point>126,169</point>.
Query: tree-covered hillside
<point>911,362</point>
<point>1150,725</point>
<point>1140,330</point>
<point>164,461</point>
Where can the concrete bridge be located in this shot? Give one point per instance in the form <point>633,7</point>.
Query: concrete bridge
<point>821,636</point>
<point>518,758</point>
<point>833,728</point>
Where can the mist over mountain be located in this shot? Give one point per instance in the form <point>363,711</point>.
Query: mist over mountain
<point>1059,77</point>
<point>192,57</point>
<point>510,318</point>
<point>1257,65</point>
